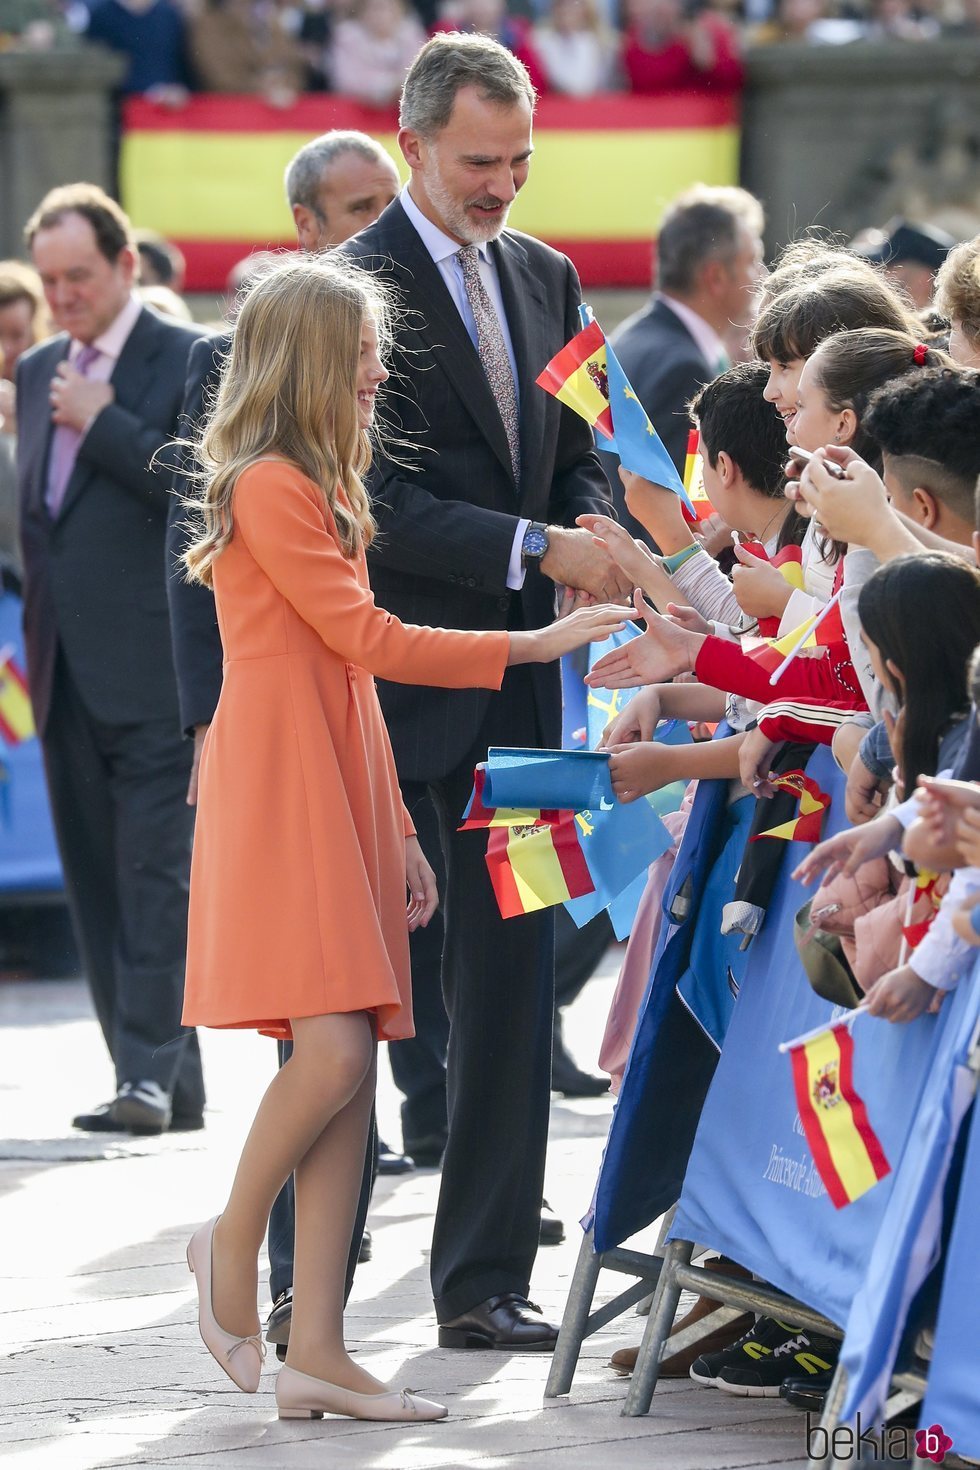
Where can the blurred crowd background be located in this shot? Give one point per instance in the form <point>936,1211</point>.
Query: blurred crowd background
<point>280,49</point>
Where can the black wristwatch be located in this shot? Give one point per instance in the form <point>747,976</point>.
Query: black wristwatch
<point>535,543</point>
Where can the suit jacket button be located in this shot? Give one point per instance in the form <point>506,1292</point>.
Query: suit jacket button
<point>504,604</point>
<point>471,581</point>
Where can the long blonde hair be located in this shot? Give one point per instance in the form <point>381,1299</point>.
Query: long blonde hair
<point>289,388</point>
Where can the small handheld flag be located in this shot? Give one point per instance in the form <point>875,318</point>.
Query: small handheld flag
<point>846,1150</point>
<point>694,480</point>
<point>535,867</point>
<point>16,716</point>
<point>813,803</point>
<point>587,376</point>
<point>823,630</point>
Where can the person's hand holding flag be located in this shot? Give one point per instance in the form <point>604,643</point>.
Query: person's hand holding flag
<point>658,510</point>
<point>760,588</point>
<point>754,762</point>
<point>637,769</point>
<point>662,652</point>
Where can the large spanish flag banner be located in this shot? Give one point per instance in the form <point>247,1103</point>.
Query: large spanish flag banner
<point>846,1150</point>
<point>209,176</point>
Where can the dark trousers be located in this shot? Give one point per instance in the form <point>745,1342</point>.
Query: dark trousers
<point>118,799</point>
<point>282,1221</point>
<point>418,1065</point>
<point>498,984</point>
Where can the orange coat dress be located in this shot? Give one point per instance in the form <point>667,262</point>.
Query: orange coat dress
<point>297,901</point>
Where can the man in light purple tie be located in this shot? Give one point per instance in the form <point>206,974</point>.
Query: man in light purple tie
<point>97,406</point>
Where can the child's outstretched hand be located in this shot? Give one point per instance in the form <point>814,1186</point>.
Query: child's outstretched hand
<point>901,996</point>
<point>636,770</point>
<point>639,564</point>
<point>850,850</point>
<point>636,721</point>
<point>663,651</point>
<point>754,759</point>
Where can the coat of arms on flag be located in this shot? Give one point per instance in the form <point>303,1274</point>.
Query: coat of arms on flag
<point>846,1150</point>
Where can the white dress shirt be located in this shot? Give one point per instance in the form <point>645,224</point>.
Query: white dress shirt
<point>445,256</point>
<point>709,344</point>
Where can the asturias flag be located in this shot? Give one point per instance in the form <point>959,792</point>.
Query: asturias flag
<point>846,1150</point>
<point>16,716</point>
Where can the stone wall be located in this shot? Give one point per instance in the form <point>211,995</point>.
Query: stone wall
<point>846,136</point>
<point>55,127</point>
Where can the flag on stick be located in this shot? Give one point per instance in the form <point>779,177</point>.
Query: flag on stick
<point>846,1150</point>
<point>16,715</point>
<point>587,376</point>
<point>806,826</point>
<point>694,480</point>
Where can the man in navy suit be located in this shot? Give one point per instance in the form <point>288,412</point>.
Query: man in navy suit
<point>709,267</point>
<point>475,533</point>
<point>96,406</point>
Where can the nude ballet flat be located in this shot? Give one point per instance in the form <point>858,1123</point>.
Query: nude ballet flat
<point>243,1367</point>
<point>298,1396</point>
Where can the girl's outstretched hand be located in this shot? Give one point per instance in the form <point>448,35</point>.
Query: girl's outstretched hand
<point>850,850</point>
<point>663,651</point>
<point>423,895</point>
<point>591,624</point>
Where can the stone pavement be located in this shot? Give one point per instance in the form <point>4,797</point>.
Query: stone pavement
<point>103,1366</point>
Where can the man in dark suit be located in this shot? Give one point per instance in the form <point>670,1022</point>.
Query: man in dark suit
<point>96,405</point>
<point>709,266</point>
<point>476,519</point>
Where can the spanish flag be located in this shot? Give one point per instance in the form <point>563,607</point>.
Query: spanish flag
<point>846,1150</point>
<point>536,867</point>
<point>823,630</point>
<point>813,803</point>
<point>578,377</point>
<point>16,716</point>
<point>694,480</point>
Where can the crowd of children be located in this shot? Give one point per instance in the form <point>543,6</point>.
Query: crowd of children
<point>870,536</point>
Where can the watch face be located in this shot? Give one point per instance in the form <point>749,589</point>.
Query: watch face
<point>535,542</point>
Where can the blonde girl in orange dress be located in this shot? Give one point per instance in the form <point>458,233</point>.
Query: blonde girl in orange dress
<point>299,920</point>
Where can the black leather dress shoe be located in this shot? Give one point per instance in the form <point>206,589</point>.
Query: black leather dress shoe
<point>278,1322</point>
<point>390,1162</point>
<point>508,1324</point>
<point>571,1081</point>
<point>552,1231</point>
<point>141,1108</point>
<point>426,1152</point>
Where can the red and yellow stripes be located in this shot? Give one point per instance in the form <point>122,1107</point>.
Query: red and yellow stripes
<point>535,867</point>
<point>209,176</point>
<point>16,715</point>
<point>846,1150</point>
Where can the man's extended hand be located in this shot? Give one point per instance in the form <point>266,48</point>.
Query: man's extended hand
<point>573,559</point>
<point>75,399</point>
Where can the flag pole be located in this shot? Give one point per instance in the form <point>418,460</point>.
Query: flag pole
<point>847,1020</point>
<point>811,627</point>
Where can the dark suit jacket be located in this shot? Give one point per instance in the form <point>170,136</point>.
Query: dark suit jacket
<point>193,619</point>
<point>447,521</point>
<point>94,579</point>
<point>666,368</point>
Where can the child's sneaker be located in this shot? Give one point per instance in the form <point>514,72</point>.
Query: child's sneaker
<point>756,1365</point>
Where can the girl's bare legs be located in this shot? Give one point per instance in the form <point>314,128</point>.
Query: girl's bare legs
<point>331,1065</point>
<point>327,1185</point>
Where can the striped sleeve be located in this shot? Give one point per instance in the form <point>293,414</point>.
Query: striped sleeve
<point>802,719</point>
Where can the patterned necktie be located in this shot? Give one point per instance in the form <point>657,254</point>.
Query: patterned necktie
<point>64,445</point>
<point>493,353</point>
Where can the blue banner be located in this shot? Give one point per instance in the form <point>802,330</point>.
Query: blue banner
<point>29,861</point>
<point>907,1244</point>
<point>952,1400</point>
<point>752,1190</point>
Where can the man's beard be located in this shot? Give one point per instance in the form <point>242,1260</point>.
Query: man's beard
<point>458,221</point>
